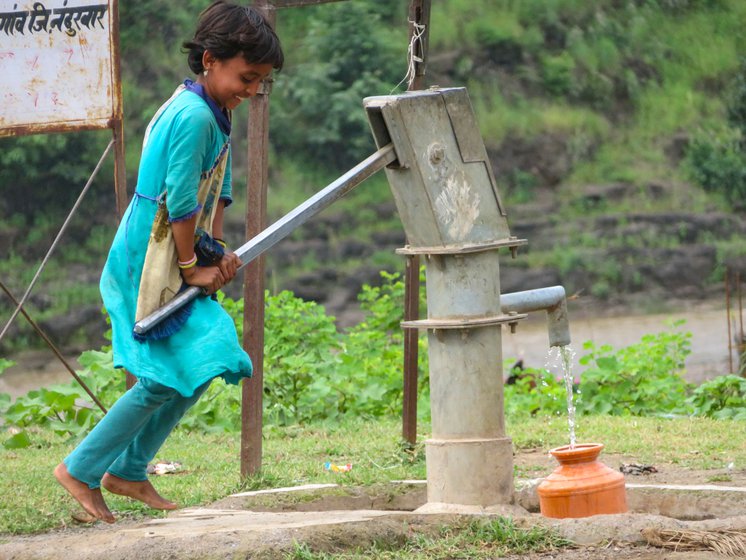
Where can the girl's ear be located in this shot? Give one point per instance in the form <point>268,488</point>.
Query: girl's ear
<point>207,59</point>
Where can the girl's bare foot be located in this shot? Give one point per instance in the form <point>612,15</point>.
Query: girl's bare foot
<point>139,490</point>
<point>91,500</point>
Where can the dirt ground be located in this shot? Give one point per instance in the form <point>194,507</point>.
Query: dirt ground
<point>267,526</point>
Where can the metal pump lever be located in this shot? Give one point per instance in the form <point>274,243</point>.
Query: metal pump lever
<point>283,227</point>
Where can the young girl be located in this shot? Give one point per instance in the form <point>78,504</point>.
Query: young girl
<point>184,185</point>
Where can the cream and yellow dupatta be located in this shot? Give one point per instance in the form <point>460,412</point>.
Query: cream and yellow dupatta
<point>161,278</point>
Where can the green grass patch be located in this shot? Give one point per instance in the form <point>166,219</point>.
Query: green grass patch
<point>527,117</point>
<point>31,501</point>
<point>477,539</point>
<point>690,443</point>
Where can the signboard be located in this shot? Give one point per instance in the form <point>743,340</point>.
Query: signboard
<point>58,67</point>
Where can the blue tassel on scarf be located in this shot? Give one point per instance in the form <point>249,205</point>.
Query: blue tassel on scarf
<point>170,324</point>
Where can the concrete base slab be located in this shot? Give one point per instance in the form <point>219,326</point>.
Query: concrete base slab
<point>198,521</point>
<point>286,490</point>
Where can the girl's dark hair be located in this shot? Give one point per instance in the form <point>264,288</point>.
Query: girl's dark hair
<point>226,30</point>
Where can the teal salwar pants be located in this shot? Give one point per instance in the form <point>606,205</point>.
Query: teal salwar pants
<point>130,434</point>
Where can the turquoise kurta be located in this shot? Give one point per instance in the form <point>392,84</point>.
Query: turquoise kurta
<point>181,147</point>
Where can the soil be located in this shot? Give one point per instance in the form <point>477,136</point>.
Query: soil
<point>268,526</point>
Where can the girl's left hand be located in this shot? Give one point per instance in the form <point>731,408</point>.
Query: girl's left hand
<point>229,265</point>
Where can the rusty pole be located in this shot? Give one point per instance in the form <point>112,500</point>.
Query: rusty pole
<point>253,313</point>
<point>741,345</point>
<point>419,15</point>
<point>54,348</point>
<point>117,125</point>
<point>727,315</point>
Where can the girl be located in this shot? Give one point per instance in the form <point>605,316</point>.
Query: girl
<point>184,185</point>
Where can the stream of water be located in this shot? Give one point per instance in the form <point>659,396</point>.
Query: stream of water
<point>562,357</point>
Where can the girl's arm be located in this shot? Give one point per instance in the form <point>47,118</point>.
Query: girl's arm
<point>211,278</point>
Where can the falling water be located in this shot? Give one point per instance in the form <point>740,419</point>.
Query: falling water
<point>564,357</point>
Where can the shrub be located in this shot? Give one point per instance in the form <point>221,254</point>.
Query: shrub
<point>641,379</point>
<point>535,391</point>
<point>722,397</point>
<point>59,407</point>
<point>557,74</point>
<point>737,103</point>
<point>719,166</point>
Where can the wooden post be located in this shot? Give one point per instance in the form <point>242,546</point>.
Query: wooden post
<point>117,125</point>
<point>727,316</point>
<point>741,343</point>
<point>253,314</point>
<point>419,14</point>
<point>120,190</point>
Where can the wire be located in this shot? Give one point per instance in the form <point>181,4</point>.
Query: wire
<point>56,240</point>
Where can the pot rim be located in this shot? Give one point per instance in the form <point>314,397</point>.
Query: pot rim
<point>580,452</point>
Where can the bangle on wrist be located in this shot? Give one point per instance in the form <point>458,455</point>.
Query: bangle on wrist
<point>183,265</point>
<point>221,242</point>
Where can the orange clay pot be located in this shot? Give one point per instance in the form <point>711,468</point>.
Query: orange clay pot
<point>581,486</point>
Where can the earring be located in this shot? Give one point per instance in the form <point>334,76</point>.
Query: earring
<point>205,72</point>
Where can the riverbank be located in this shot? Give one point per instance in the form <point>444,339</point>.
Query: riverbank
<point>707,321</point>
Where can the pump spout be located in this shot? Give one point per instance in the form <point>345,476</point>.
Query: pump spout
<point>552,300</point>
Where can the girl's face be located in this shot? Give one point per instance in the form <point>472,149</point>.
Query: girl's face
<point>231,80</point>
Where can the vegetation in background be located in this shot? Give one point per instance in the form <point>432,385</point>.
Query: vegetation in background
<point>614,85</point>
<point>591,93</point>
<point>640,380</point>
<point>314,373</point>
<point>318,115</point>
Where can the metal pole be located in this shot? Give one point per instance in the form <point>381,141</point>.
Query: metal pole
<point>253,310</point>
<point>54,349</point>
<point>120,190</point>
<point>727,314</point>
<point>741,346</point>
<point>740,302</point>
<point>419,14</point>
<point>120,171</point>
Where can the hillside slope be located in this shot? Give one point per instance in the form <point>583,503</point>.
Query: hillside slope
<point>615,129</point>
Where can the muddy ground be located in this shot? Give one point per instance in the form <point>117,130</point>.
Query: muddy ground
<point>268,526</point>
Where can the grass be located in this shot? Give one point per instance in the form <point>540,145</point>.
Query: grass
<point>32,502</point>
<point>476,539</point>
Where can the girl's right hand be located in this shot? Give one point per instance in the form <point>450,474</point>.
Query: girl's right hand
<point>209,278</point>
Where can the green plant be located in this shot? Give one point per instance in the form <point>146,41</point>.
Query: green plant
<point>313,372</point>
<point>557,74</point>
<point>638,380</point>
<point>722,397</point>
<point>5,364</point>
<point>736,102</point>
<point>59,407</point>
<point>369,379</point>
<point>299,352</point>
<point>535,392</point>
<point>323,94</point>
<point>478,539</point>
<point>719,165</point>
